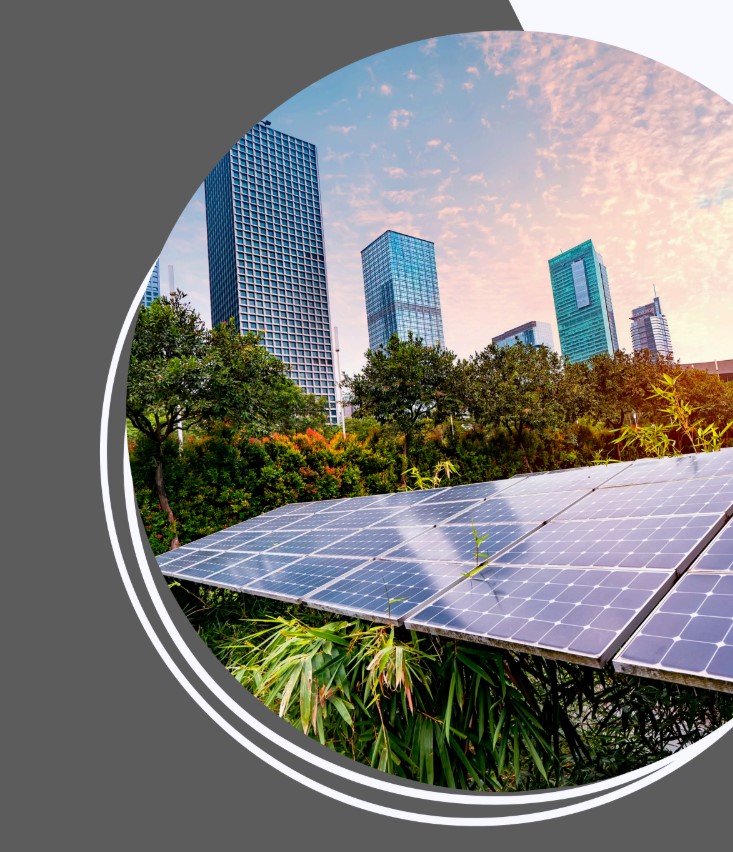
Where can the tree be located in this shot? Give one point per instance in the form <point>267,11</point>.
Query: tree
<point>404,384</point>
<point>518,387</point>
<point>619,385</point>
<point>183,375</point>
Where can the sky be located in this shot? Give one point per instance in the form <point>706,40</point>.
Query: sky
<point>504,149</point>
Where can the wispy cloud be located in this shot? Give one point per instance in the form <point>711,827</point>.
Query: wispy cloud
<point>344,129</point>
<point>395,172</point>
<point>385,89</point>
<point>399,118</point>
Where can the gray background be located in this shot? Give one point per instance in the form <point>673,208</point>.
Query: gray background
<point>112,118</point>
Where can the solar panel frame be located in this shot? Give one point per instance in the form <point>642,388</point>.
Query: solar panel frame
<point>718,555</point>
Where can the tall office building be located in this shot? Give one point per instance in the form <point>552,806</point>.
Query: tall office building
<point>531,333</point>
<point>266,260</point>
<point>650,330</point>
<point>152,290</point>
<point>401,289</point>
<point>583,303</point>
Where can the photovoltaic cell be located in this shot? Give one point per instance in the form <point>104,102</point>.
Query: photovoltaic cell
<point>386,589</point>
<point>712,495</point>
<point>644,543</point>
<point>689,636</point>
<point>456,542</point>
<point>241,574</point>
<point>580,615</point>
<point>718,555</point>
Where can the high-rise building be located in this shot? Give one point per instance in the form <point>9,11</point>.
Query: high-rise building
<point>531,333</point>
<point>401,289</point>
<point>152,290</point>
<point>267,267</point>
<point>583,303</point>
<point>650,330</point>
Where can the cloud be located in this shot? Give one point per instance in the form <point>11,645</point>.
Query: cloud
<point>344,129</point>
<point>449,212</point>
<point>429,45</point>
<point>472,69</point>
<point>433,143</point>
<point>385,89</point>
<point>411,75</point>
<point>400,196</point>
<point>395,172</point>
<point>399,118</point>
<point>485,122</point>
<point>468,85</point>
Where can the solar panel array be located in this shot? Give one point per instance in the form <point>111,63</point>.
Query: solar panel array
<point>567,564</point>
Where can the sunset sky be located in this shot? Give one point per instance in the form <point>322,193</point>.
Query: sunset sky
<point>505,149</point>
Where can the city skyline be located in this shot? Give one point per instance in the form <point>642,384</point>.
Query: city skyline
<point>266,257</point>
<point>401,289</point>
<point>503,149</point>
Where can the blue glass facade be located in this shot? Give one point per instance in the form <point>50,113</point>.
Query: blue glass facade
<point>530,333</point>
<point>267,267</point>
<point>650,330</point>
<point>583,308</point>
<point>401,289</point>
<point>152,290</point>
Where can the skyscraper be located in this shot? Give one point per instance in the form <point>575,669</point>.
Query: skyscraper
<point>583,303</point>
<point>401,289</point>
<point>152,291</point>
<point>266,259</point>
<point>531,333</point>
<point>649,329</point>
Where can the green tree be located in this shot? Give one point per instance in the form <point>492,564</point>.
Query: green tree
<point>520,388</point>
<point>183,375</point>
<point>404,384</point>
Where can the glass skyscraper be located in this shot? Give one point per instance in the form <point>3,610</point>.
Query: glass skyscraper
<point>267,267</point>
<point>650,330</point>
<point>583,306</point>
<point>152,291</point>
<point>401,289</point>
<point>531,333</point>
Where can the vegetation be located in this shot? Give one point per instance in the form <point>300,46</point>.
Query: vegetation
<point>444,712</point>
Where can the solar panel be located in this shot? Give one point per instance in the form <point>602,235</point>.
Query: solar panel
<point>301,577</point>
<point>576,615</point>
<point>386,589</point>
<point>718,555</point>
<point>373,542</point>
<point>689,637</point>
<point>577,560</point>
<point>475,491</point>
<point>680,497</point>
<point>429,514</point>
<point>643,543</point>
<point>572,479</point>
<point>456,542</point>
<point>522,507</point>
<point>691,466</point>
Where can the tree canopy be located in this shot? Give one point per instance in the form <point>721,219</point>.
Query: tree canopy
<point>404,384</point>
